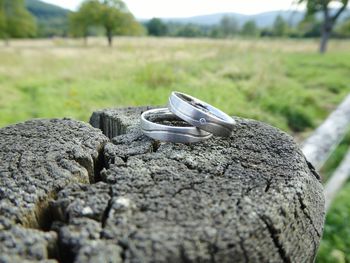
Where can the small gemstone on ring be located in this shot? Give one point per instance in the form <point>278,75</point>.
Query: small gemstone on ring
<point>202,121</point>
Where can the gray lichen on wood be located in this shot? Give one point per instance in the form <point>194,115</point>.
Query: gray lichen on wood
<point>252,197</point>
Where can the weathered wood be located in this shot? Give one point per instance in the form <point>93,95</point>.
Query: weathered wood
<point>248,198</point>
<point>38,159</point>
<point>337,180</point>
<point>327,136</point>
<point>251,197</point>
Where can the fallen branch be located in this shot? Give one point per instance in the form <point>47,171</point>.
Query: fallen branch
<point>339,177</point>
<point>328,135</point>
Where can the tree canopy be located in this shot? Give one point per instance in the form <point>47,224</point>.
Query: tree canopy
<point>87,16</point>
<point>2,19</point>
<point>344,28</point>
<point>310,26</point>
<point>112,15</point>
<point>280,27</point>
<point>15,20</point>
<point>229,26</point>
<point>330,17</point>
<point>250,28</point>
<point>156,27</point>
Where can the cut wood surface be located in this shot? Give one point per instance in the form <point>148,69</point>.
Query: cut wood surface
<point>69,194</point>
<point>327,136</point>
<point>38,159</point>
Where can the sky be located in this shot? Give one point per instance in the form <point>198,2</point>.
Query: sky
<point>186,8</point>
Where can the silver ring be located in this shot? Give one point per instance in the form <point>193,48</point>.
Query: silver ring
<point>200,114</point>
<point>162,132</point>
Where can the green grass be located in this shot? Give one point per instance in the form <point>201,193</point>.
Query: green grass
<point>336,157</point>
<point>335,246</point>
<point>282,82</point>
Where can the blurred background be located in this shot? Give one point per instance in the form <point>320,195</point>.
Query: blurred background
<point>283,62</point>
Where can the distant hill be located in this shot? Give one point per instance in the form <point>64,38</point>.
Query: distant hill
<point>44,10</point>
<point>265,19</point>
<point>52,19</point>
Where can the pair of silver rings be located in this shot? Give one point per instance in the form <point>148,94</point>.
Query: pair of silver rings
<point>186,120</point>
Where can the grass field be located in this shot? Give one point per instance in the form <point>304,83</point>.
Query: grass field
<point>282,82</point>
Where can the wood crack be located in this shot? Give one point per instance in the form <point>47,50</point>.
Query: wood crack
<point>303,208</point>
<point>274,233</point>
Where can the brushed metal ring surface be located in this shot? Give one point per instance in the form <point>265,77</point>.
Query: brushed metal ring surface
<point>176,134</point>
<point>201,114</point>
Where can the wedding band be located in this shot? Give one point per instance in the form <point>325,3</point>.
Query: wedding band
<point>168,133</point>
<point>200,114</point>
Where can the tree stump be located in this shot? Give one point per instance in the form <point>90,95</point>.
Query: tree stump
<point>70,194</point>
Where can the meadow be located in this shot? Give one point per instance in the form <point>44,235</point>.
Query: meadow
<point>282,82</point>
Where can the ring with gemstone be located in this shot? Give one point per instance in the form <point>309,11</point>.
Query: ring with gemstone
<point>163,125</point>
<point>201,114</point>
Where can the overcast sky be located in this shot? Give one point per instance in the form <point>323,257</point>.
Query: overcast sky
<point>185,8</point>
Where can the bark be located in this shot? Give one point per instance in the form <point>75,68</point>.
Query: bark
<point>85,41</point>
<point>329,22</point>
<point>325,36</point>
<point>109,34</point>
<point>248,198</point>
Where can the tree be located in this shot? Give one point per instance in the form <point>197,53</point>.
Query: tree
<point>280,27</point>
<point>156,27</point>
<point>81,21</point>
<point>250,28</point>
<point>112,15</point>
<point>228,26</point>
<point>329,18</point>
<point>310,26</point>
<point>2,20</point>
<point>15,20</point>
<point>116,20</point>
<point>344,28</point>
<point>189,30</point>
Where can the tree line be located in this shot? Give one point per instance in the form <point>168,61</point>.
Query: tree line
<point>112,17</point>
<point>229,26</point>
<point>15,20</point>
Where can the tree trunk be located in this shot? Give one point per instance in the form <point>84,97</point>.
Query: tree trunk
<point>326,34</point>
<point>110,38</point>
<point>85,37</point>
<point>85,41</point>
<point>324,41</point>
